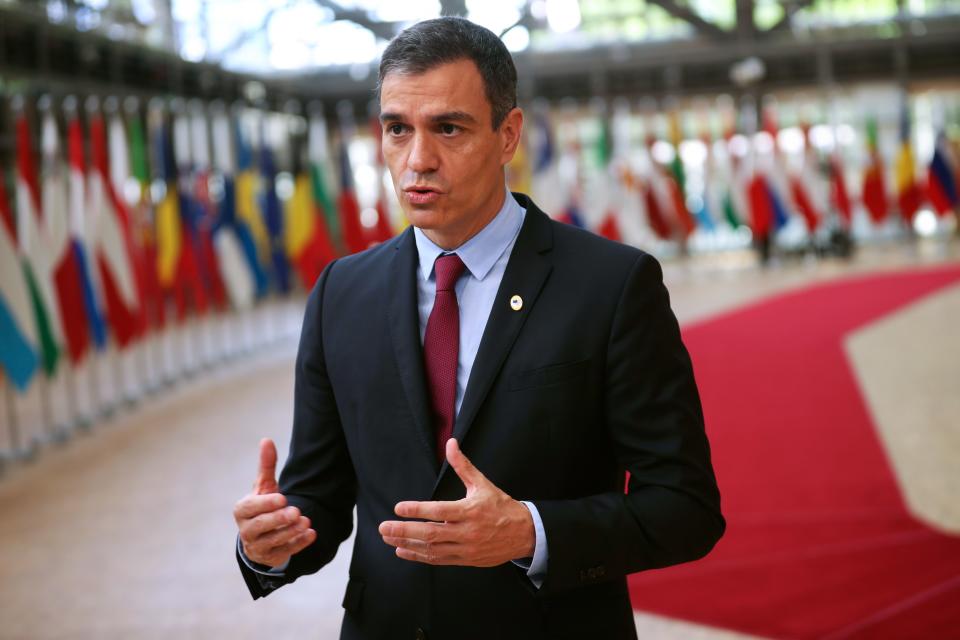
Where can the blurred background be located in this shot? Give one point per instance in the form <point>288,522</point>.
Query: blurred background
<point>174,175</point>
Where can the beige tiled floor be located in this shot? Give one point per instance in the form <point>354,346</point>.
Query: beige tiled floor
<point>126,532</point>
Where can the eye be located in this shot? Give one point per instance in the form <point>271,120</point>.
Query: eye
<point>448,129</point>
<point>395,129</point>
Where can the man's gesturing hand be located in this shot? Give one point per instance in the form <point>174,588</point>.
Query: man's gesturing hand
<point>484,529</point>
<point>270,532</point>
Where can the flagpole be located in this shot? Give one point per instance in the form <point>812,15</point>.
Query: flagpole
<point>143,360</point>
<point>17,450</point>
<point>54,434</point>
<point>80,421</point>
<point>116,363</point>
<point>163,354</point>
<point>205,338</point>
<point>187,360</point>
<point>12,432</point>
<point>216,338</point>
<point>228,333</point>
<point>66,427</point>
<point>6,454</point>
<point>171,348</point>
<point>100,408</point>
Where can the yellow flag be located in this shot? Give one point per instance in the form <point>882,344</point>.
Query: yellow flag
<point>300,217</point>
<point>248,210</point>
<point>168,238</point>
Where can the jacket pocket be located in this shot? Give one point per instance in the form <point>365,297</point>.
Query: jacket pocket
<point>549,375</point>
<point>353,596</point>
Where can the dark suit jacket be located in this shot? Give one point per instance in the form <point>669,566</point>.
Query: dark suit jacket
<point>587,381</point>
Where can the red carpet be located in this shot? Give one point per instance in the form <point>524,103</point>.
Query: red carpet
<point>819,543</point>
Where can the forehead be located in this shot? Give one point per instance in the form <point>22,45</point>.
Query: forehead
<point>453,86</point>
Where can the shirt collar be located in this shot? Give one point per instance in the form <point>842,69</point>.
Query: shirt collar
<point>482,251</point>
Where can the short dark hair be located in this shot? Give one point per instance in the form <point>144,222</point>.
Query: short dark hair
<point>431,43</point>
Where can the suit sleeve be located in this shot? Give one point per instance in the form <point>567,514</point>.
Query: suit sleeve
<point>671,511</point>
<point>318,476</point>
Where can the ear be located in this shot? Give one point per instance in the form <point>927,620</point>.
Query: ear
<point>510,131</point>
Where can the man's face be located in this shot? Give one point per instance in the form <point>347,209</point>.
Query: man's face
<point>445,159</point>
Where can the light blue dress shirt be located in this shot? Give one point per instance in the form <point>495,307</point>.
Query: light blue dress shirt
<point>485,256</point>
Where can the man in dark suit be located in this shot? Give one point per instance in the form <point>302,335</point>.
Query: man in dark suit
<point>485,356</point>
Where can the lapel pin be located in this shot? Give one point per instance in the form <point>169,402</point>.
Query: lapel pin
<point>516,303</point>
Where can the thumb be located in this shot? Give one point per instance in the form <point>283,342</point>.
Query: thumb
<point>471,476</point>
<point>267,473</point>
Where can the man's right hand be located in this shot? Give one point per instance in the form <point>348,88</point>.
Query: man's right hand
<point>270,532</point>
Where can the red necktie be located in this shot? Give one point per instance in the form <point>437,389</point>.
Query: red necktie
<point>441,346</point>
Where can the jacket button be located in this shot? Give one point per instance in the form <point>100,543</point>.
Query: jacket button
<point>421,634</point>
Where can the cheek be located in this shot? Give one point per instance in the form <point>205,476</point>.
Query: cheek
<point>475,166</point>
<point>393,161</point>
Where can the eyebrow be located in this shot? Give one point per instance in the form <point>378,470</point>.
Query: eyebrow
<point>448,116</point>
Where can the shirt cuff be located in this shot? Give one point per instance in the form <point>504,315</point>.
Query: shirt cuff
<point>262,569</point>
<point>537,565</point>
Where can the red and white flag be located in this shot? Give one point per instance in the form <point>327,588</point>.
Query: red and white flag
<point>113,246</point>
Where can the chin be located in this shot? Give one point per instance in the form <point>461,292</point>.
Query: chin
<point>425,218</point>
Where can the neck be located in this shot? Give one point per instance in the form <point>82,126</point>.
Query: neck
<point>450,239</point>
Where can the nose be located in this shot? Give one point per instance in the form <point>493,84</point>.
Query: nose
<point>423,157</point>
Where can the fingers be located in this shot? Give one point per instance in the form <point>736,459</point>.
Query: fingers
<point>252,505</point>
<point>429,558</point>
<point>266,481</point>
<point>433,549</point>
<point>267,522</point>
<point>439,511</point>
<point>468,473</point>
<point>276,556</point>
<point>424,531</point>
<point>283,535</point>
<point>296,545</point>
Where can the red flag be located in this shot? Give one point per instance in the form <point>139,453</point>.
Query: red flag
<point>802,199</point>
<point>316,254</point>
<point>350,218</point>
<point>655,216</point>
<point>801,183</point>
<point>838,190</point>
<point>609,228</point>
<point>761,209</point>
<point>874,187</point>
<point>353,236</point>
<point>152,288</point>
<point>189,291</point>
<point>114,248</point>
<point>687,224</point>
<point>207,254</point>
<point>875,193</point>
<point>5,212</point>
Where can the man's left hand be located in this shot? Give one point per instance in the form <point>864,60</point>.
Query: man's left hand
<point>484,529</point>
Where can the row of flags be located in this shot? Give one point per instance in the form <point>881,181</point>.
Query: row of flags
<point>737,182</point>
<point>123,219</point>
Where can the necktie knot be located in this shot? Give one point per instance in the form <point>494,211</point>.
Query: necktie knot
<point>448,269</point>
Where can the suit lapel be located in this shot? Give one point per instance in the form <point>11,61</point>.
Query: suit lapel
<point>401,289</point>
<point>525,275</point>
